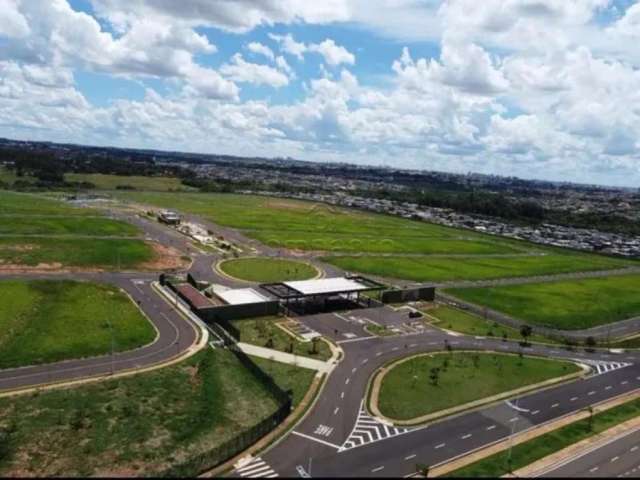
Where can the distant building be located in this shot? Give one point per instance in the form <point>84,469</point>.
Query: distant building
<point>168,217</point>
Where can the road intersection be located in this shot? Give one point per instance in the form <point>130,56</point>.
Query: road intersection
<point>338,437</point>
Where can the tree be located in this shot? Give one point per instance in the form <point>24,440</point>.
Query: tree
<point>591,343</point>
<point>526,331</point>
<point>314,346</point>
<point>434,376</point>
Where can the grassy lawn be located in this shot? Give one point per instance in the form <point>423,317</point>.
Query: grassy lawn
<point>314,226</point>
<point>465,322</point>
<point>14,203</point>
<point>73,225</point>
<point>575,304</point>
<point>111,182</point>
<point>265,269</point>
<point>408,391</point>
<point>23,214</point>
<point>261,331</point>
<point>528,452</point>
<point>439,269</point>
<point>74,252</point>
<point>45,321</point>
<point>288,377</point>
<point>133,426</point>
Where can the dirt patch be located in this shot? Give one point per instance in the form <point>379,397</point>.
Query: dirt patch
<point>19,248</point>
<point>39,268</point>
<point>165,258</point>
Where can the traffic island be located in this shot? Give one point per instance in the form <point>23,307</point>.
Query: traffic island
<point>455,382</point>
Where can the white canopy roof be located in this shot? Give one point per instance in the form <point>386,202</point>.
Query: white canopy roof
<point>326,286</point>
<point>241,296</point>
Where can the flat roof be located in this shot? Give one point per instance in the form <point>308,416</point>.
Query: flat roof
<point>326,286</point>
<point>241,296</point>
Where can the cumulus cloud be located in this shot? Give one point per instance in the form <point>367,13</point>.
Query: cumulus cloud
<point>517,86</point>
<point>260,49</point>
<point>242,71</point>
<point>333,54</point>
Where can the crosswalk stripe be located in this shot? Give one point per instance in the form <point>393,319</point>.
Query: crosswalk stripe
<point>600,367</point>
<point>256,468</point>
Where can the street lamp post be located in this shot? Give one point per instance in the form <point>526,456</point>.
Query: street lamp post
<point>513,428</point>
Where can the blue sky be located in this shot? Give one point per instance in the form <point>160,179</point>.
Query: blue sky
<point>514,87</point>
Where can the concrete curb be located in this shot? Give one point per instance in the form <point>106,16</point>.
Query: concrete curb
<point>535,431</point>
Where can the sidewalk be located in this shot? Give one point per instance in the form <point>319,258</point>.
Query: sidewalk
<point>300,361</point>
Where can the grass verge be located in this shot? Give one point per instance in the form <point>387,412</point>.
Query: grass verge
<point>528,452</point>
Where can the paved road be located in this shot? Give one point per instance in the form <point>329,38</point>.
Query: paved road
<point>175,336</point>
<point>341,440</point>
<point>615,457</point>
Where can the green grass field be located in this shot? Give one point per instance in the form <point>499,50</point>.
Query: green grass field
<point>75,252</point>
<point>262,331</point>
<point>111,182</point>
<point>439,269</point>
<point>44,321</point>
<point>314,226</point>
<point>27,214</point>
<point>408,392</point>
<point>566,305</point>
<point>465,322</point>
<point>21,204</point>
<point>265,269</point>
<point>528,452</point>
<point>140,425</point>
<point>74,225</point>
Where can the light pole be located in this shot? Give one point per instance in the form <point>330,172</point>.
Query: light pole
<point>513,428</point>
<point>112,346</point>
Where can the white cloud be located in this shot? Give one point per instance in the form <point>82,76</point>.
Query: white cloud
<point>260,49</point>
<point>289,45</point>
<point>12,22</point>
<point>240,70</point>
<point>333,54</point>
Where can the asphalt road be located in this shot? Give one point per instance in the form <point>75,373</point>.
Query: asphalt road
<point>339,439</point>
<point>616,457</point>
<point>175,336</point>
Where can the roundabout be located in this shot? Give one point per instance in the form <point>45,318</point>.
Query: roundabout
<point>267,269</point>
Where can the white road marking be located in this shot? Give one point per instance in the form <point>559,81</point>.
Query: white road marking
<point>369,430</point>
<point>491,427</point>
<point>633,449</point>
<point>615,459</point>
<point>439,446</point>
<point>410,457</point>
<point>353,370</point>
<point>256,468</point>
<point>378,354</point>
<point>365,360</point>
<point>376,469</point>
<point>464,437</point>
<point>624,382</point>
<point>555,405</point>
<point>535,412</point>
<point>608,387</point>
<point>513,419</point>
<point>592,392</point>
<point>594,469</point>
<point>336,410</point>
<point>309,437</point>
<point>573,399</point>
<point>342,395</point>
<point>346,382</point>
